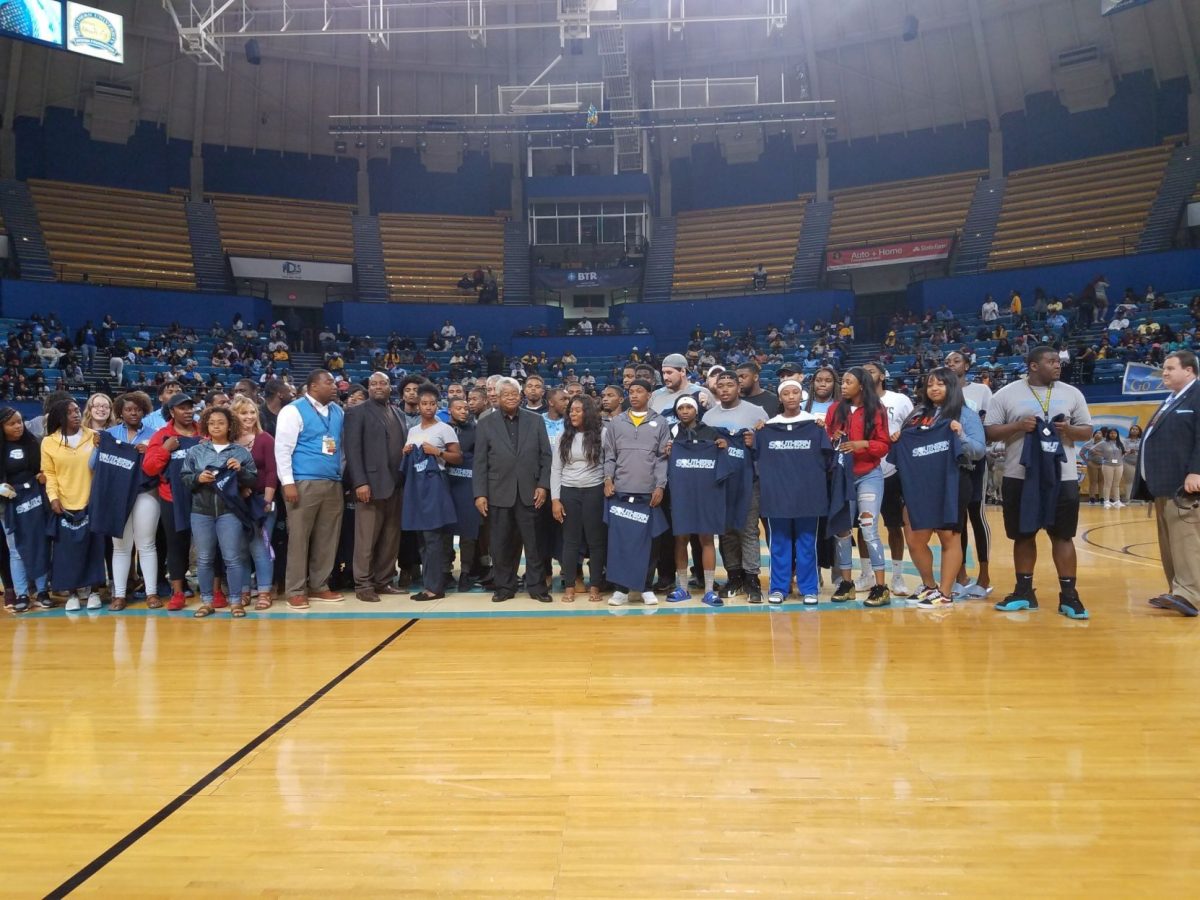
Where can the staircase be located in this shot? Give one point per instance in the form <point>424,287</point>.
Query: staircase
<point>1179,181</point>
<point>517,288</point>
<point>980,227</point>
<point>303,363</point>
<point>25,231</point>
<point>619,96</point>
<point>810,249</point>
<point>208,257</point>
<point>660,260</point>
<point>369,270</point>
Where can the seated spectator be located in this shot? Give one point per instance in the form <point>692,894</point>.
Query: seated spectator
<point>449,333</point>
<point>465,283</point>
<point>760,277</point>
<point>1057,321</point>
<point>1120,323</point>
<point>585,326</point>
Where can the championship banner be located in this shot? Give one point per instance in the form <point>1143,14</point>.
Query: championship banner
<point>1142,380</point>
<point>887,254</point>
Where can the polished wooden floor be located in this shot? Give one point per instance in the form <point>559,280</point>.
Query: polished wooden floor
<point>778,753</point>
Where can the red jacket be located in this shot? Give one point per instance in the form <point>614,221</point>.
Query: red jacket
<point>156,459</point>
<point>854,430</point>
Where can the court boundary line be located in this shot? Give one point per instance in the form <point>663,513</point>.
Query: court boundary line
<point>84,874</point>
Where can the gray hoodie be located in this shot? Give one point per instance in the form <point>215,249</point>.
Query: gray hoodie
<point>633,455</point>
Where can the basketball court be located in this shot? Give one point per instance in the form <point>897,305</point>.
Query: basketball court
<point>465,749</point>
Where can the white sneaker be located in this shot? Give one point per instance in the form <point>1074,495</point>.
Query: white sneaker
<point>1118,505</point>
<point>900,587</point>
<point>1107,505</point>
<point>811,599</point>
<point>775,597</point>
<point>618,599</point>
<point>72,604</point>
<point>649,599</point>
<point>864,582</point>
<point>93,601</point>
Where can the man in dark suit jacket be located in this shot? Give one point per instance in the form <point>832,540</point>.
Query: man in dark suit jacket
<point>1168,473</point>
<point>512,482</point>
<point>375,433</point>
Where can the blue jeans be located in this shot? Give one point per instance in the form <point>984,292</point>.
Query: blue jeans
<point>262,557</point>
<point>868,492</point>
<point>207,533</point>
<point>20,576</point>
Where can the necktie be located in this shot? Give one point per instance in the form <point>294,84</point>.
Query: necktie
<point>1159,414</point>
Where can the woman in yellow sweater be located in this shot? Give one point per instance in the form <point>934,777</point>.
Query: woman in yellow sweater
<point>66,454</point>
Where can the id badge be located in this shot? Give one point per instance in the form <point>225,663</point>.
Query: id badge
<point>328,445</point>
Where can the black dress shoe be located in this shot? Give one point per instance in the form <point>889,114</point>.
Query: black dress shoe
<point>388,591</point>
<point>367,596</point>
<point>502,596</point>
<point>466,584</point>
<point>664,584</point>
<point>426,596</point>
<point>542,597</point>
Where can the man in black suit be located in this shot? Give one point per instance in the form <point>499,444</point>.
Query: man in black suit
<point>1168,473</point>
<point>375,433</point>
<point>512,481</point>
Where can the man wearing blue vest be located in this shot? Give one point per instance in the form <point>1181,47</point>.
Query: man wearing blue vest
<point>308,458</point>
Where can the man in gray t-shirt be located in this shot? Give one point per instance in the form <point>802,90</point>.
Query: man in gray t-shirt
<point>676,385</point>
<point>1012,415</point>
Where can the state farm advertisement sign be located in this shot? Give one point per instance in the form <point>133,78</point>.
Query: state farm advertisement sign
<point>887,254</point>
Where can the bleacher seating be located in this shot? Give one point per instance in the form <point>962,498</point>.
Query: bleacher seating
<point>902,210</point>
<point>425,256</point>
<point>276,228</point>
<point>1077,210</point>
<point>717,250</point>
<point>113,236</point>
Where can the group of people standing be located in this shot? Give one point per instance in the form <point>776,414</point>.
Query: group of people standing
<point>645,486</point>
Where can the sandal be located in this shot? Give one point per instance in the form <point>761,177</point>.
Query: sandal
<point>116,604</point>
<point>237,609</point>
<point>152,602</point>
<point>568,595</point>
<point>203,611</point>
<point>594,595</point>
<point>263,601</point>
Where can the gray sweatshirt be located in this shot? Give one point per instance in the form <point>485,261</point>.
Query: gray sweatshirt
<point>633,455</point>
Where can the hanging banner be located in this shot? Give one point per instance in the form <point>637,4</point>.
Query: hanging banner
<point>1142,380</point>
<point>292,270</point>
<point>95,32</point>
<point>584,279</point>
<point>887,254</point>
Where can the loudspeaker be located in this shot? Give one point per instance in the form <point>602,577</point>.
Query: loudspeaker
<point>911,27</point>
<point>254,55</point>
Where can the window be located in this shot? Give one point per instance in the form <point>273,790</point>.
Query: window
<point>592,222</point>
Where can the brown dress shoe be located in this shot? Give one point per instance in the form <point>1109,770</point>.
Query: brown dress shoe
<point>298,603</point>
<point>327,596</point>
<point>367,596</point>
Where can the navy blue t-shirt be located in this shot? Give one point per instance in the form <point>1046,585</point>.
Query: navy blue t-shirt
<point>697,501</point>
<point>926,458</point>
<point>794,459</point>
<point>428,505</point>
<point>182,505</point>
<point>842,494</point>
<point>632,526</point>
<point>117,480</point>
<point>26,517</point>
<point>735,470</point>
<point>1042,455</point>
<point>77,559</point>
<point>462,492</point>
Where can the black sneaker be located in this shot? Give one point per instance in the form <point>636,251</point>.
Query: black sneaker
<point>1069,605</point>
<point>44,600</point>
<point>879,595</point>
<point>733,588</point>
<point>845,591</point>
<point>21,604</point>
<point>753,590</point>
<point>1015,602</point>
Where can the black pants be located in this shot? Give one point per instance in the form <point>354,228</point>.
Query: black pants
<point>433,576</point>
<point>584,521</point>
<point>512,526</point>
<point>179,543</point>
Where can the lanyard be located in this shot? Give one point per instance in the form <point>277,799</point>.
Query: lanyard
<point>1045,405</point>
<point>323,419</point>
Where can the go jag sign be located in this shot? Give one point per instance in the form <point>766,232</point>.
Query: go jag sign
<point>94,32</point>
<point>1142,379</point>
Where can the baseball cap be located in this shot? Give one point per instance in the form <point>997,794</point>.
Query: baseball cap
<point>675,361</point>
<point>180,400</point>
